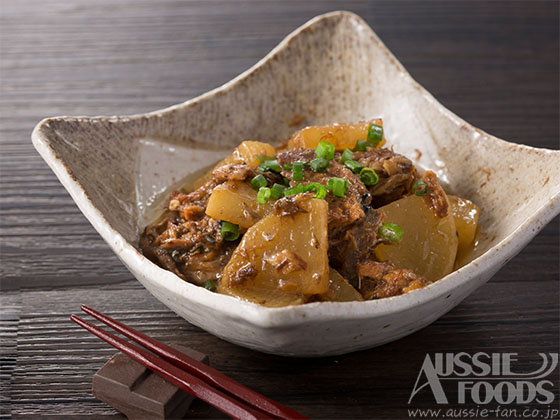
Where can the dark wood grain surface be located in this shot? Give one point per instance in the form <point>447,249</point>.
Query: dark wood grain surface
<point>496,64</point>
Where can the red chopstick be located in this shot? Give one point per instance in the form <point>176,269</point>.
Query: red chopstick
<point>176,376</point>
<point>200,370</point>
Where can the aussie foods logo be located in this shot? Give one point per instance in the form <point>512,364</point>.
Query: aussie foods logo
<point>484,378</point>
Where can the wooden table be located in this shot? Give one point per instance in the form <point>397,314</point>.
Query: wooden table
<point>493,63</point>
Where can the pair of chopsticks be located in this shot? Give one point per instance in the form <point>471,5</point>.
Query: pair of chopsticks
<point>188,374</point>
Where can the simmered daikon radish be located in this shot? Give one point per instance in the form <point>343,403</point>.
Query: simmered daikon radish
<point>340,290</point>
<point>429,243</point>
<point>285,253</point>
<point>236,202</point>
<point>343,136</point>
<point>465,213</point>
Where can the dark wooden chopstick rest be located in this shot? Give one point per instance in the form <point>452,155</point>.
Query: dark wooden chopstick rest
<point>137,392</point>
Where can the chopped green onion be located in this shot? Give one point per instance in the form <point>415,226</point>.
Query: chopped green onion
<point>270,165</point>
<point>263,195</point>
<point>354,166</point>
<point>319,189</point>
<point>296,189</point>
<point>287,166</point>
<point>391,231</point>
<point>297,171</point>
<point>264,158</point>
<point>277,191</point>
<point>347,155</point>
<point>369,176</point>
<point>258,182</point>
<point>319,164</point>
<point>286,181</point>
<point>229,231</point>
<point>420,187</point>
<point>325,150</point>
<point>361,146</point>
<point>210,285</point>
<point>375,134</point>
<point>338,186</point>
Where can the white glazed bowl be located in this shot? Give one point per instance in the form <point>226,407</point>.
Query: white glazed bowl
<point>333,68</point>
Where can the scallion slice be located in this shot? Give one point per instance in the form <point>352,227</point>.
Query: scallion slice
<point>277,191</point>
<point>319,189</point>
<point>325,150</point>
<point>338,186</point>
<point>353,165</point>
<point>258,182</point>
<point>297,171</point>
<point>347,155</point>
<point>420,187</point>
<point>263,195</point>
<point>319,164</point>
<point>229,231</point>
<point>270,165</point>
<point>375,134</point>
<point>391,231</point>
<point>361,146</point>
<point>287,166</point>
<point>296,189</point>
<point>210,285</point>
<point>369,176</point>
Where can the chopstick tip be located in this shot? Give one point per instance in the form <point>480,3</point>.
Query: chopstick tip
<point>77,320</point>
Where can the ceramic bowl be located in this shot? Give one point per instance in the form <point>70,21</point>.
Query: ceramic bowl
<point>333,68</point>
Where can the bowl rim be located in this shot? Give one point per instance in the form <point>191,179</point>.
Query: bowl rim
<point>267,317</point>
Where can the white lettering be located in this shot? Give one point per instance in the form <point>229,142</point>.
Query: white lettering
<point>485,368</point>
<point>476,392</point>
<point>507,358</point>
<point>549,396</point>
<point>485,377</point>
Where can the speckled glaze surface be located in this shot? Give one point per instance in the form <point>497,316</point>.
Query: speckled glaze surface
<point>333,68</point>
